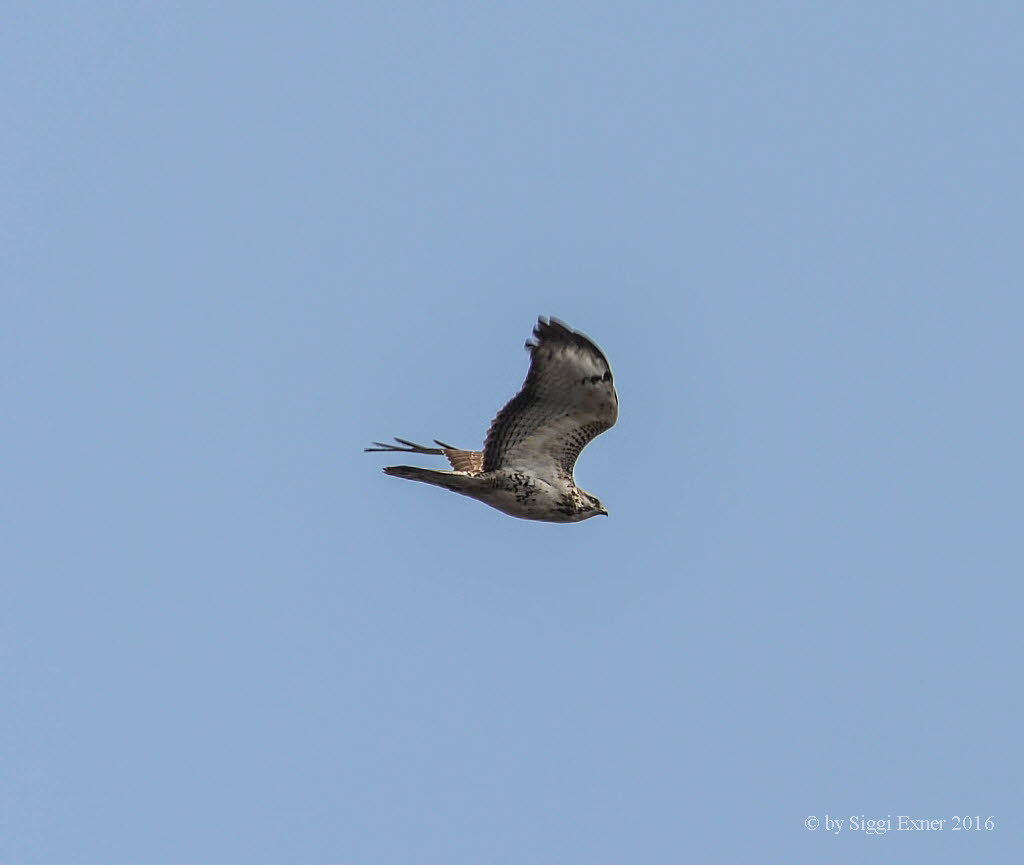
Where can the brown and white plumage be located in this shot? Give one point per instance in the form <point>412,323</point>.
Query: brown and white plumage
<point>526,466</point>
<point>468,462</point>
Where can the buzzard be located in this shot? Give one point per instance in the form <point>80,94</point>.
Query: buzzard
<point>525,468</point>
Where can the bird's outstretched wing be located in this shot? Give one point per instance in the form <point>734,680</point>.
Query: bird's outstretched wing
<point>470,462</point>
<point>568,398</point>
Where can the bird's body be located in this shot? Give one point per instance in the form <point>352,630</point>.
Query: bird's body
<point>526,467</point>
<point>516,492</point>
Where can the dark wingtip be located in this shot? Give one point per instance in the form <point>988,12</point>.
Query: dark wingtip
<point>548,328</point>
<point>553,329</point>
<point>381,446</point>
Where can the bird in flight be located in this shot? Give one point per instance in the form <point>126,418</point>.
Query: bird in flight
<point>525,468</point>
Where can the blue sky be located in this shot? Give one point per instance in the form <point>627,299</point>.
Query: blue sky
<point>243,240</point>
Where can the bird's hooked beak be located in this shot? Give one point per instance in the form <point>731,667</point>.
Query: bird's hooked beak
<point>602,511</point>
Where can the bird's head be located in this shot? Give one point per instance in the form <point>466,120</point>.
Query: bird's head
<point>589,506</point>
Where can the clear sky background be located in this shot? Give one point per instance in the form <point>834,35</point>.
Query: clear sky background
<point>242,240</point>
